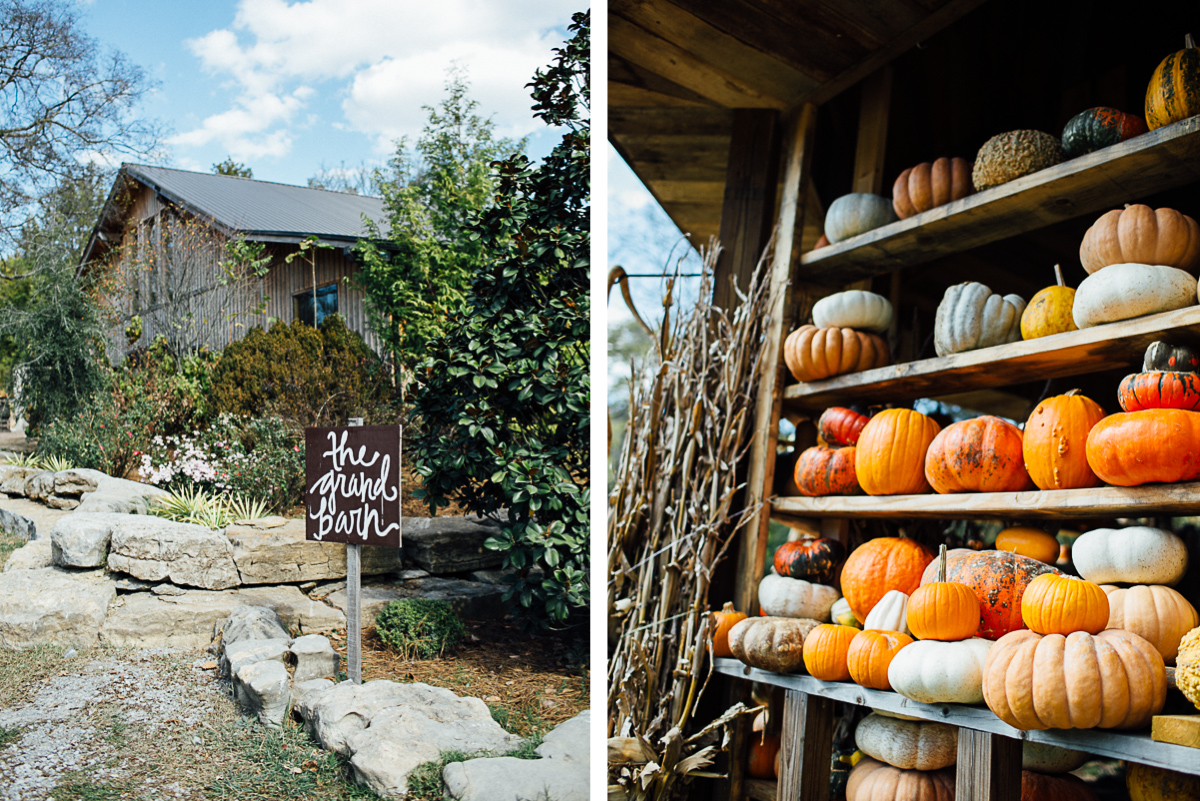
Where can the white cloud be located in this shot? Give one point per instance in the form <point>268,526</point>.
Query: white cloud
<point>384,59</point>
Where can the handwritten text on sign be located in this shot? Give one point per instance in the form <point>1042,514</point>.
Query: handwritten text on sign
<point>353,480</point>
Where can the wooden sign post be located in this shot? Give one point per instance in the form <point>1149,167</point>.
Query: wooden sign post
<point>353,478</point>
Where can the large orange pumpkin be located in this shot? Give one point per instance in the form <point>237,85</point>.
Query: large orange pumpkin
<point>827,471</point>
<point>813,353</point>
<point>1174,90</point>
<point>1139,234</point>
<point>870,654</point>
<point>880,565</point>
<point>825,650</point>
<point>1132,448</point>
<point>1054,444</point>
<point>978,455</point>
<point>998,578</point>
<point>891,452</point>
<point>1063,605</point>
<point>926,185</point>
<point>1159,390</point>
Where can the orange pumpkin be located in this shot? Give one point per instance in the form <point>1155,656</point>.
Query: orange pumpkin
<point>1174,90</point>
<point>943,610</point>
<point>723,621</point>
<point>1159,390</point>
<point>998,579</point>
<point>1132,448</point>
<point>827,471</point>
<point>978,455</point>
<point>1139,234</point>
<point>870,654</point>
<point>813,353</point>
<point>763,748</point>
<point>840,426</point>
<point>880,565</point>
<point>825,650</point>
<point>1027,541</point>
<point>926,185</point>
<point>1064,604</point>
<point>891,452</point>
<point>1054,444</point>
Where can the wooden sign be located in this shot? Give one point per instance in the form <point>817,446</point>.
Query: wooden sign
<point>353,485</point>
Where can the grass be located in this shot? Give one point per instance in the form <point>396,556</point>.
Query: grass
<point>425,782</point>
<point>8,544</point>
<point>8,735</point>
<point>79,786</point>
<point>23,672</point>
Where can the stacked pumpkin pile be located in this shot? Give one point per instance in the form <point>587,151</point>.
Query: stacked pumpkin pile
<point>843,338</point>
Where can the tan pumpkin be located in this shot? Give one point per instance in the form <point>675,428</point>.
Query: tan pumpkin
<point>825,651</point>
<point>1046,758</point>
<point>1054,443</point>
<point>909,745</point>
<point>812,353</point>
<point>1028,541</point>
<point>870,654</point>
<point>1111,680</point>
<point>771,643</point>
<point>872,780</point>
<point>780,596</point>
<point>890,456</point>
<point>926,186</point>
<point>1139,234</point>
<point>1157,614</point>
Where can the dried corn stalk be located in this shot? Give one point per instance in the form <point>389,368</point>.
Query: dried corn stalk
<point>670,523</point>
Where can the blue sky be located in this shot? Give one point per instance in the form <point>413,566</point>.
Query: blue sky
<point>288,88</point>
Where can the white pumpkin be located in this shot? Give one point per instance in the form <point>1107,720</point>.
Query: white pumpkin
<point>1046,758</point>
<point>857,213</point>
<point>780,596</point>
<point>854,308</point>
<point>842,614</point>
<point>907,745</point>
<point>896,715</point>
<point>1157,614</point>
<point>935,672</point>
<point>1133,555</point>
<point>1125,291</point>
<point>971,316</point>
<point>889,614</point>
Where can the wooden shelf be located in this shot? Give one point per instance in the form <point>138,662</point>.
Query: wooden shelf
<point>1144,501</point>
<point>1136,747</point>
<point>761,789</point>
<point>1097,182</point>
<point>1102,347</point>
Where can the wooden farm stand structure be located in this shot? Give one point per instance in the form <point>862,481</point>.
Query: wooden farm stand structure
<point>744,117</point>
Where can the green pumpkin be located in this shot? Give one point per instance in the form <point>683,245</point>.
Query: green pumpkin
<point>1097,128</point>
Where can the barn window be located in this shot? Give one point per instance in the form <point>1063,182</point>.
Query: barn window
<point>327,304</point>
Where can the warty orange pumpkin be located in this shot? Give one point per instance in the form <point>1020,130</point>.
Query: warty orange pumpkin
<point>979,455</point>
<point>890,459</point>
<point>1054,443</point>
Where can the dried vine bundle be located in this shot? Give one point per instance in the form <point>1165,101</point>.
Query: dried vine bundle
<point>670,523</point>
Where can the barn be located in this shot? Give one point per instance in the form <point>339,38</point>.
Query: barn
<point>166,239</point>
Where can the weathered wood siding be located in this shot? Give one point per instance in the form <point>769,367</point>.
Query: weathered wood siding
<point>168,272</point>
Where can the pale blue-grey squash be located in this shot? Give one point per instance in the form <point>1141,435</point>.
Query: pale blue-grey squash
<point>857,213</point>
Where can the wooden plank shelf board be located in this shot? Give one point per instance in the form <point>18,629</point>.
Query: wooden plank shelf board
<point>1106,501</point>
<point>1091,184</point>
<point>1101,347</point>
<point>1136,747</point>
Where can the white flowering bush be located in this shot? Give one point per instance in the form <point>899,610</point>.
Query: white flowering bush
<point>261,459</point>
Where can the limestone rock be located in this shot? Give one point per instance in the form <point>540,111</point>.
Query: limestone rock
<point>121,496</point>
<point>251,623</point>
<point>263,689</point>
<point>146,620</point>
<point>33,555</point>
<point>39,486</point>
<point>279,554</point>
<point>314,658</point>
<point>388,729</point>
<point>302,689</point>
<point>52,606</point>
<point>560,774</point>
<point>62,502</point>
<point>81,539</point>
<point>167,589</point>
<point>246,652</point>
<point>13,478</point>
<point>17,525</point>
<point>443,545</point>
<point>130,584</point>
<point>77,481</point>
<point>154,549</point>
<point>472,600</point>
<point>494,576</point>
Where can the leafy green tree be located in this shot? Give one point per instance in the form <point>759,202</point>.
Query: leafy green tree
<point>231,167</point>
<point>419,263</point>
<point>503,396</point>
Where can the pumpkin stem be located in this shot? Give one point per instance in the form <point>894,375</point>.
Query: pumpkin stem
<point>1058,275</point>
<point>942,564</point>
<point>1189,42</point>
<point>1072,392</point>
<point>728,607</point>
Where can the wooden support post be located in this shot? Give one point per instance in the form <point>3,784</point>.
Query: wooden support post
<point>806,760</point>
<point>872,132</point>
<point>748,209</point>
<point>989,767</point>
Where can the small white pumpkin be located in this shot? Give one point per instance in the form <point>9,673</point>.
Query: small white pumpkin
<point>1046,758</point>
<point>907,745</point>
<point>1133,555</point>
<point>842,614</point>
<point>857,213</point>
<point>971,316</point>
<point>889,614</point>
<point>780,596</point>
<point>935,672</point>
<point>1125,291</point>
<point>1157,614</point>
<point>854,308</point>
